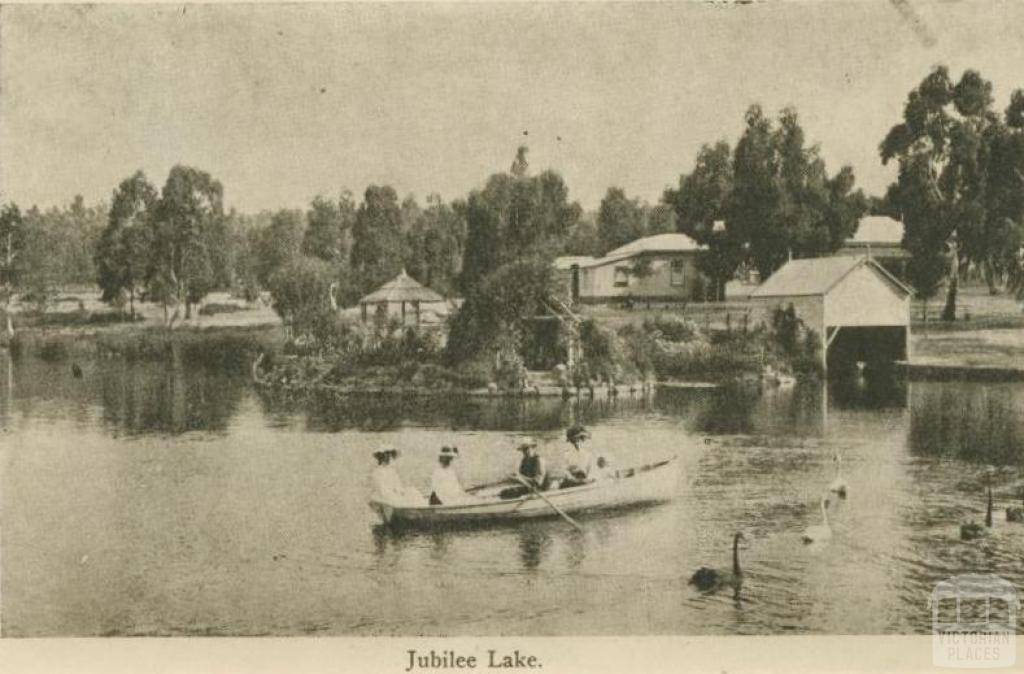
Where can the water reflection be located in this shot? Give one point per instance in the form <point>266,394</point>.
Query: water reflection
<point>534,545</point>
<point>974,422</point>
<point>175,532</point>
<point>333,413</point>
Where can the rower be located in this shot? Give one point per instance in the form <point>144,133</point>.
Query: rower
<point>444,483</point>
<point>531,471</point>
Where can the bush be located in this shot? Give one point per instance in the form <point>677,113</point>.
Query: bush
<point>214,308</point>
<point>672,328</point>
<point>53,349</point>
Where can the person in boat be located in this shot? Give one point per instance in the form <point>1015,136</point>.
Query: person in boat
<point>407,494</point>
<point>580,464</point>
<point>531,471</point>
<point>387,483</point>
<point>602,471</point>
<point>445,488</point>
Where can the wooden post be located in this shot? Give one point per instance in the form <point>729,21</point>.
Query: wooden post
<point>824,350</point>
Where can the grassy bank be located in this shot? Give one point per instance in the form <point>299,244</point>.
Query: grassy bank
<point>217,347</point>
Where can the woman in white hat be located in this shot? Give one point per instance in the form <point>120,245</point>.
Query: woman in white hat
<point>388,483</point>
<point>445,488</point>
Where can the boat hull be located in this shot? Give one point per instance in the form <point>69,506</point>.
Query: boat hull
<point>652,483</point>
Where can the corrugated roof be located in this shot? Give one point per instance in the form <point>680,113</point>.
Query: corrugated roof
<point>402,288</point>
<point>878,229</point>
<point>817,275</point>
<point>659,243</point>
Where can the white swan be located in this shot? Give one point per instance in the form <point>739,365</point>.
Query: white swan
<point>819,533</point>
<point>838,485</point>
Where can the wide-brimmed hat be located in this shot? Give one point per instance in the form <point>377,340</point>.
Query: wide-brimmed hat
<point>576,432</point>
<point>450,452</point>
<point>526,443</point>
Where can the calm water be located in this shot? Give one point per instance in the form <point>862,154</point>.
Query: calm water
<point>141,500</point>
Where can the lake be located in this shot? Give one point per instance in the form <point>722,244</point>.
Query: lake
<point>147,500</point>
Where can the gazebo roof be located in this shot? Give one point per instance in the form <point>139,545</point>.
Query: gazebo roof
<point>402,288</point>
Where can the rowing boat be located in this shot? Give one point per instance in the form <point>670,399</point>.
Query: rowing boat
<point>649,483</point>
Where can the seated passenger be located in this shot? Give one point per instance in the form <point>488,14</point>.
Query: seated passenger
<point>580,462</point>
<point>444,483</point>
<point>388,487</point>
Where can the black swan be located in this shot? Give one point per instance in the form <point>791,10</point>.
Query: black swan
<point>710,580</point>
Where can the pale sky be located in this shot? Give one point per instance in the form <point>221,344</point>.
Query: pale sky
<point>283,102</point>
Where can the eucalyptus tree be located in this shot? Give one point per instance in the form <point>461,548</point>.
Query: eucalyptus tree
<point>122,252</point>
<point>956,184</point>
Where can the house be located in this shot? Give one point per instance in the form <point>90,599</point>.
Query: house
<point>857,308</point>
<point>880,238</point>
<point>405,299</point>
<point>662,267</point>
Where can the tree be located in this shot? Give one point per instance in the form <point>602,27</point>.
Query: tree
<point>122,252</point>
<point>583,238</point>
<point>13,263</point>
<point>329,228</point>
<point>435,243</point>
<point>659,219</point>
<point>703,199</point>
<point>180,270</point>
<point>300,292</point>
<point>515,226</point>
<point>377,249</point>
<point>278,244</point>
<point>515,217</point>
<point>619,220</point>
<point>944,148</point>
<point>772,195</point>
<point>499,305</point>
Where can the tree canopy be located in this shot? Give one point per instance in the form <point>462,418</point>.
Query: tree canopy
<point>959,181</point>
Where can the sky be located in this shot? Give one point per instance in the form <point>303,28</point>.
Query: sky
<point>284,102</point>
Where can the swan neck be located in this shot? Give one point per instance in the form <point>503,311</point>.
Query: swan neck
<point>736,556</point>
<point>988,509</point>
<point>824,513</point>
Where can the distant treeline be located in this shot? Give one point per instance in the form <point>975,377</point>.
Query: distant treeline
<point>960,188</point>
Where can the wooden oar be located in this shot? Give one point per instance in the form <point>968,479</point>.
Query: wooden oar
<point>548,501</point>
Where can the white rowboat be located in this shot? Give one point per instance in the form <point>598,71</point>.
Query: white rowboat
<point>650,483</point>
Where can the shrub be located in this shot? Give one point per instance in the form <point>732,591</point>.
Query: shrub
<point>53,349</point>
<point>214,308</point>
<point>672,328</point>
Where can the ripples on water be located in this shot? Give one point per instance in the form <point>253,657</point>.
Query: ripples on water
<point>157,501</point>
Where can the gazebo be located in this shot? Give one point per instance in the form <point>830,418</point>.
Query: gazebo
<point>405,299</point>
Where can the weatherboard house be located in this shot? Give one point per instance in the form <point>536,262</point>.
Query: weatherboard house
<point>856,307</point>
<point>881,238</point>
<point>662,267</point>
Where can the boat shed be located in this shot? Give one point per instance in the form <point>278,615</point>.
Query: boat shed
<point>859,310</point>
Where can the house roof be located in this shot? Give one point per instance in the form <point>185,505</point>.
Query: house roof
<point>818,275</point>
<point>877,229</point>
<point>402,288</point>
<point>659,243</point>
<point>568,261</point>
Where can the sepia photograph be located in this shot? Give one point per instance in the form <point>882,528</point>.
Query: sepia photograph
<point>414,323</point>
